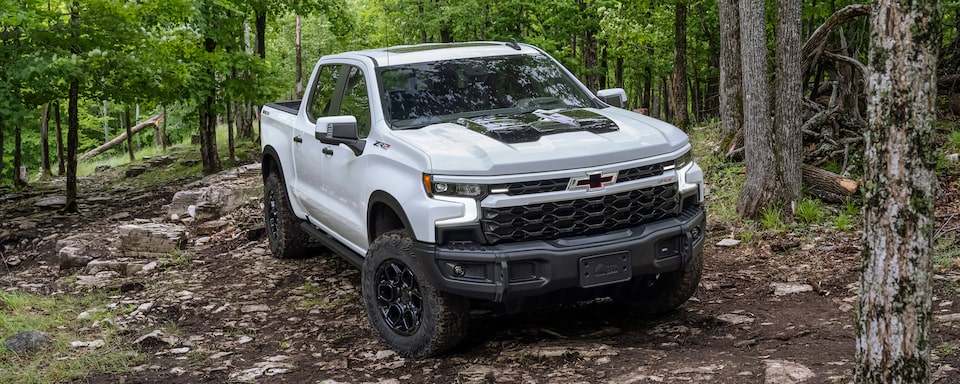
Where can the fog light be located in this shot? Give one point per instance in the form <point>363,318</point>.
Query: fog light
<point>458,270</point>
<point>695,232</point>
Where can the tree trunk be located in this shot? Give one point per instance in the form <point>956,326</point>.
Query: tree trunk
<point>260,21</point>
<point>61,169</point>
<point>73,129</point>
<point>678,79</point>
<point>106,123</point>
<point>893,326</point>
<point>230,142</point>
<point>757,193</point>
<point>163,131</point>
<point>126,126</point>
<point>299,75</point>
<point>1,147</point>
<point>208,122</point>
<point>731,77</point>
<point>45,140</point>
<point>604,67</point>
<point>18,180</point>
<point>590,60</point>
<point>787,120</point>
<point>828,186</point>
<point>618,72</point>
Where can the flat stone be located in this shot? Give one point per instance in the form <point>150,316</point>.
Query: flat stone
<point>27,342</point>
<point>255,308</point>
<point>728,243</point>
<point>157,338</point>
<point>785,372</point>
<point>212,227</point>
<point>736,318</point>
<point>151,239</point>
<point>783,289</point>
<point>949,318</point>
<point>52,202</point>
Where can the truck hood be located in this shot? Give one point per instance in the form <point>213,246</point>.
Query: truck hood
<point>542,141</point>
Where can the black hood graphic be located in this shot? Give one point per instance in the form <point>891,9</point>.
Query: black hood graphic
<point>530,127</point>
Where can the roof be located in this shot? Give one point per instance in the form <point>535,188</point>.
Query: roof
<point>407,54</point>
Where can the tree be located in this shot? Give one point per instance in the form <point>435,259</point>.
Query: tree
<point>772,151</point>
<point>893,325</point>
<point>731,91</point>
<point>678,81</point>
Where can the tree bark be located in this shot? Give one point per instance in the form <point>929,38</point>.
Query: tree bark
<point>590,60</point>
<point>163,131</point>
<point>73,129</point>
<point>834,187</point>
<point>18,180</point>
<point>678,79</point>
<point>61,169</point>
<point>260,21</point>
<point>208,123</point>
<point>1,147</point>
<point>126,127</point>
<point>45,140</point>
<point>731,89</point>
<point>788,138</point>
<point>893,326</point>
<point>230,141</point>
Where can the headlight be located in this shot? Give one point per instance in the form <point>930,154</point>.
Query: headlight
<point>682,161</point>
<point>442,188</point>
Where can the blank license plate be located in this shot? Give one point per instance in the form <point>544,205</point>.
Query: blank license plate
<point>604,269</point>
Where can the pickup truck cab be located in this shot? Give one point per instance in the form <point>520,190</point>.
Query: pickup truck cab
<point>480,174</point>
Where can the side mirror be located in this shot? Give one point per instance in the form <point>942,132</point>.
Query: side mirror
<point>337,127</point>
<point>616,97</point>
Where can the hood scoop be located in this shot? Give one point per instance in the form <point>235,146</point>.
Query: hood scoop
<point>532,126</point>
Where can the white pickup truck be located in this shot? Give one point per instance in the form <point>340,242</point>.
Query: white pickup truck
<point>480,175</point>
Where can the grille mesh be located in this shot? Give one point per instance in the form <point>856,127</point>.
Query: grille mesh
<point>587,216</point>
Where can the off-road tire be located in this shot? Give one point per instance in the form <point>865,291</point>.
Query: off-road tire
<point>411,316</point>
<point>287,240</point>
<point>659,294</point>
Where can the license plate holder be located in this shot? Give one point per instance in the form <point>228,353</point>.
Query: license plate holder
<point>605,269</point>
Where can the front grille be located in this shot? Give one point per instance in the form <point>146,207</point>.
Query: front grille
<point>556,185</point>
<point>587,216</point>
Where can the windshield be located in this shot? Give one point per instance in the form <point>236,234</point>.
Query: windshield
<point>420,94</point>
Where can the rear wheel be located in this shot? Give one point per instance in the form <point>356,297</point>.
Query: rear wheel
<point>407,311</point>
<point>287,240</point>
<point>658,294</point>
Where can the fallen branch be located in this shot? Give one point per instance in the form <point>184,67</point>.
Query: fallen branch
<point>813,48</point>
<point>828,185</point>
<point>153,121</point>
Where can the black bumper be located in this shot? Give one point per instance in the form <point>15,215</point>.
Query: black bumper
<point>514,271</point>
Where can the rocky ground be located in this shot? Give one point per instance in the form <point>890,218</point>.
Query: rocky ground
<point>208,303</point>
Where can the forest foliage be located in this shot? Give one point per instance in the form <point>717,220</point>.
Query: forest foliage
<point>195,58</point>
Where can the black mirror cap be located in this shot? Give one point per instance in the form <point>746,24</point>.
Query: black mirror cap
<point>345,131</point>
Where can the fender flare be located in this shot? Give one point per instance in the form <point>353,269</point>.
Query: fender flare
<point>382,197</point>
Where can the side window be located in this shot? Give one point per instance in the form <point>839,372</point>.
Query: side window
<point>356,101</point>
<point>321,102</point>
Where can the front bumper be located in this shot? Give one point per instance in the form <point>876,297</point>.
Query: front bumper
<point>515,271</point>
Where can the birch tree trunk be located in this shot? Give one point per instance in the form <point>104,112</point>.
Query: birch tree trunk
<point>893,325</point>
<point>731,88</point>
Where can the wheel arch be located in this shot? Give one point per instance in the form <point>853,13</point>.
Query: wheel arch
<point>384,213</point>
<point>270,163</point>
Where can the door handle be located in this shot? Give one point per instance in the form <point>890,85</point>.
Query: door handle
<point>327,151</point>
<point>297,139</point>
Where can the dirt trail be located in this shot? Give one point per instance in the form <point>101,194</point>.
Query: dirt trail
<point>777,310</point>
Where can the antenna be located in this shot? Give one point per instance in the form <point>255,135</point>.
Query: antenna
<point>513,44</point>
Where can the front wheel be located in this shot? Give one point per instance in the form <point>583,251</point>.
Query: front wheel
<point>659,294</point>
<point>407,311</point>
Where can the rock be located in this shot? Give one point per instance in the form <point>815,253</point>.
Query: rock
<point>948,318</point>
<point>27,342</point>
<point>212,227</point>
<point>101,168</point>
<point>384,354</point>
<point>261,369</point>
<point>707,369</point>
<point>728,243</point>
<point>214,199</point>
<point>157,338</point>
<point>785,372</point>
<point>134,171</point>
<point>953,158</point>
<point>783,289</point>
<point>736,318</point>
<point>151,239</point>
<point>12,261</point>
<point>52,202</point>
<point>255,308</point>
<point>119,216</point>
<point>72,257</point>
<point>88,344</point>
